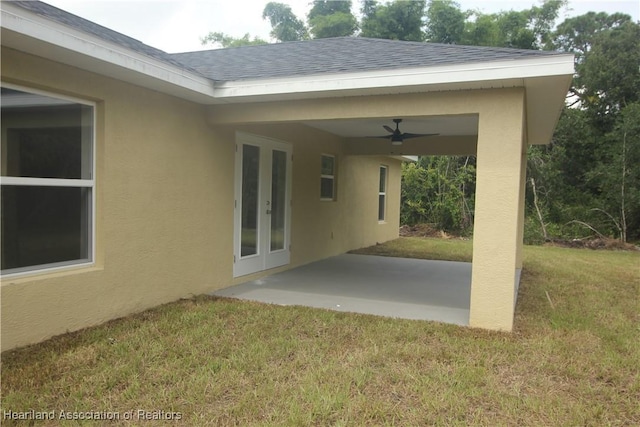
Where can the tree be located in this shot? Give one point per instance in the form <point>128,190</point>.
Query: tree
<point>587,175</point>
<point>328,7</point>
<point>516,29</point>
<point>543,18</point>
<point>445,22</point>
<point>609,77</point>
<point>285,26</point>
<point>225,40</point>
<point>439,190</point>
<point>618,177</point>
<point>396,20</point>
<point>483,30</point>
<point>577,35</point>
<point>524,29</point>
<point>557,184</point>
<point>331,18</point>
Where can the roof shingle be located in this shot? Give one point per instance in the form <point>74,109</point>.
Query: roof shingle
<point>338,55</point>
<point>292,59</point>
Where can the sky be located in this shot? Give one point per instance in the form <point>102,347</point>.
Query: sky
<point>179,25</point>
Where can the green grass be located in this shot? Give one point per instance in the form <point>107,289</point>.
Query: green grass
<point>226,362</point>
<point>454,249</point>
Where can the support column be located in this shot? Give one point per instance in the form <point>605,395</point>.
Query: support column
<point>497,224</point>
<point>523,187</point>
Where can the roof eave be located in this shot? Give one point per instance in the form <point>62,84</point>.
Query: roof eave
<point>546,80</point>
<point>26,31</point>
<point>479,75</point>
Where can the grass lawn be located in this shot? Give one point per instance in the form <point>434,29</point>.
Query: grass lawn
<point>573,358</point>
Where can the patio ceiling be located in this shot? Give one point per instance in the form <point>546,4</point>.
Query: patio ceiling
<point>466,125</point>
<point>456,135</point>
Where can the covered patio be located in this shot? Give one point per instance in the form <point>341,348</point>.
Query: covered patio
<point>473,101</point>
<point>394,287</point>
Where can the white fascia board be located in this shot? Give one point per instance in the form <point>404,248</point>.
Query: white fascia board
<point>39,28</point>
<point>552,65</point>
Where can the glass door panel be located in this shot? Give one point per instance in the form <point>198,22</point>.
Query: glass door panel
<point>249,235</point>
<point>278,199</point>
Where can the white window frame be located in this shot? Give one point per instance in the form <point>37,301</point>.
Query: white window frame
<point>60,182</point>
<point>382,193</point>
<point>331,177</point>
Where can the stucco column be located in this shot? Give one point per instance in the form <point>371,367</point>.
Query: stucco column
<point>523,186</point>
<point>497,222</point>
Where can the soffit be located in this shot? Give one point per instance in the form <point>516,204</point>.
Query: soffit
<point>442,125</point>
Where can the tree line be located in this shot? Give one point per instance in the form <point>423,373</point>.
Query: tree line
<point>586,182</point>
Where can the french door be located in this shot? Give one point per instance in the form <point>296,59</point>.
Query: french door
<point>262,212</point>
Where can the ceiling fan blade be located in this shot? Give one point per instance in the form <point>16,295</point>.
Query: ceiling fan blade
<point>388,129</point>
<point>417,135</point>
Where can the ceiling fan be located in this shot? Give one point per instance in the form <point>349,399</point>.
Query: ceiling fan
<point>396,137</point>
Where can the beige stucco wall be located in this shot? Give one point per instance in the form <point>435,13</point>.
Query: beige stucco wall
<point>155,158</point>
<point>164,205</point>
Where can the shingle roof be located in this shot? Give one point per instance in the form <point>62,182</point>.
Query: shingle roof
<point>336,55</point>
<point>291,59</point>
<point>71,20</point>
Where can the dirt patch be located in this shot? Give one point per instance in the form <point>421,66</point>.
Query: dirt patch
<point>423,230</point>
<point>429,230</point>
<point>594,243</point>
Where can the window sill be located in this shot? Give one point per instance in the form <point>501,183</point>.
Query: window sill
<point>49,272</point>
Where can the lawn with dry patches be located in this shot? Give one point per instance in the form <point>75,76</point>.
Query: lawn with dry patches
<point>572,359</point>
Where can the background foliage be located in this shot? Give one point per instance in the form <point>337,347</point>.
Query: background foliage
<point>587,181</point>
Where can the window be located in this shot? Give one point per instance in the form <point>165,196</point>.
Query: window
<point>382,194</point>
<point>47,184</point>
<point>328,178</point>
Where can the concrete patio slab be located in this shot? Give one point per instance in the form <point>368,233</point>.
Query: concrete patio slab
<point>393,287</point>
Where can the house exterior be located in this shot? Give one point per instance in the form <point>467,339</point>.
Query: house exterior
<point>132,178</point>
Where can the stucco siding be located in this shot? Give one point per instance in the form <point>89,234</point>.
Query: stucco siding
<point>164,205</point>
<point>163,208</point>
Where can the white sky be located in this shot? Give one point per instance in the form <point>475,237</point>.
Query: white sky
<point>178,25</point>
